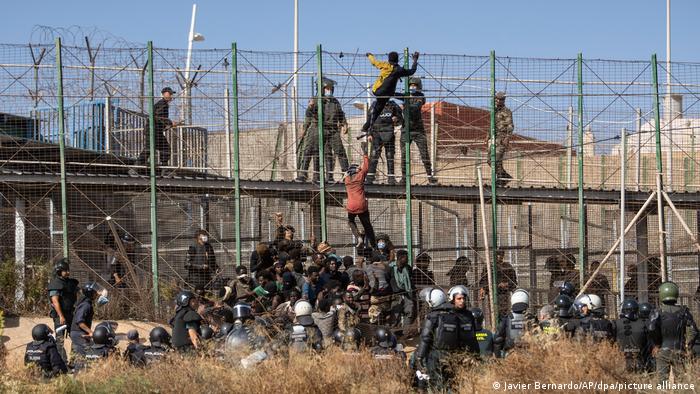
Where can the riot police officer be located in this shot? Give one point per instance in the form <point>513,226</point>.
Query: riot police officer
<point>645,311</point>
<point>348,340</point>
<point>63,294</point>
<point>304,335</point>
<point>159,346</point>
<point>564,321</point>
<point>104,344</point>
<point>448,329</point>
<point>242,332</point>
<point>515,324</point>
<point>668,326</point>
<point>43,353</point>
<point>386,346</point>
<point>632,337</point>
<point>134,350</point>
<point>483,335</point>
<point>186,322</point>
<point>592,321</point>
<point>81,327</point>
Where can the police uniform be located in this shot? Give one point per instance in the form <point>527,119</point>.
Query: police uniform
<point>668,327</point>
<point>134,354</point>
<point>45,355</point>
<point>84,313</point>
<point>445,332</point>
<point>185,319</point>
<point>67,291</point>
<point>485,339</point>
<point>305,337</point>
<point>511,329</point>
<point>504,131</point>
<point>383,138</point>
<point>334,117</point>
<point>415,132</point>
<point>632,338</point>
<point>154,353</point>
<point>596,327</point>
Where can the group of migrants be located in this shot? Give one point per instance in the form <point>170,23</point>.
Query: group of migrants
<point>294,298</point>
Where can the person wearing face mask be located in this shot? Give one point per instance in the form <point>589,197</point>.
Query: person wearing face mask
<point>415,100</point>
<point>201,262</point>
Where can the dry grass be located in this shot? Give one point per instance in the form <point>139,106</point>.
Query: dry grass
<point>336,372</point>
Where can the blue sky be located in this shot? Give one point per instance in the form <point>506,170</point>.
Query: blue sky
<point>620,29</point>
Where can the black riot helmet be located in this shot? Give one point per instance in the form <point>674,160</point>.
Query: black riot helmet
<point>102,336</point>
<point>242,312</point>
<point>645,310</point>
<point>225,329</point>
<point>160,336</point>
<point>183,298</point>
<point>91,289</point>
<point>41,332</point>
<point>567,288</point>
<point>478,318</point>
<point>60,266</point>
<point>630,309</point>
<point>206,332</point>
<point>563,305</point>
<point>385,338</point>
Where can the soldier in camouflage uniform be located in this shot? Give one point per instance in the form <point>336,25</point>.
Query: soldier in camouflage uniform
<point>333,123</point>
<point>416,132</point>
<point>504,131</point>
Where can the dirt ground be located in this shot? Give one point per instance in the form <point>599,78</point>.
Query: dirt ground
<point>18,332</point>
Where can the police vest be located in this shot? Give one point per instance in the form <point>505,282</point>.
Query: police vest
<point>181,336</point>
<point>154,353</point>
<point>515,328</point>
<point>37,353</point>
<point>97,352</point>
<point>453,331</point>
<point>485,339</point>
<point>631,336</point>
<point>68,289</point>
<point>673,321</point>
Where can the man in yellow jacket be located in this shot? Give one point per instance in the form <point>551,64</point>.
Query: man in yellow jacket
<point>385,85</point>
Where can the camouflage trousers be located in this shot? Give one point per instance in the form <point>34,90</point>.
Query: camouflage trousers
<point>379,306</point>
<point>502,146</point>
<point>667,358</point>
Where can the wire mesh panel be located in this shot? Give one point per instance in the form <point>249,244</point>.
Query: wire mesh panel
<point>240,152</point>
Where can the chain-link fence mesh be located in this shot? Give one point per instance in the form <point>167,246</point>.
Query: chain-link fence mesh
<point>539,228</point>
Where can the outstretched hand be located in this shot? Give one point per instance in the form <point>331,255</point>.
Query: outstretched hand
<point>415,56</point>
<point>368,54</point>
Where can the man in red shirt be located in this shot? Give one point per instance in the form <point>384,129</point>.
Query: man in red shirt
<point>357,202</point>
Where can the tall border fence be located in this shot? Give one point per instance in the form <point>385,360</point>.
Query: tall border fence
<point>602,189</point>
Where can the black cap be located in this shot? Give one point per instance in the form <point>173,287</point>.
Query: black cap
<point>167,89</point>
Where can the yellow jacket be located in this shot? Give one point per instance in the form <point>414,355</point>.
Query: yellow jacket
<point>385,69</point>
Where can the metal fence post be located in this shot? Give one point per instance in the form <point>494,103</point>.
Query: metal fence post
<point>152,168</point>
<point>659,167</point>
<point>407,133</point>
<point>62,146</point>
<point>579,153</point>
<point>321,142</point>
<point>494,179</point>
<point>236,162</point>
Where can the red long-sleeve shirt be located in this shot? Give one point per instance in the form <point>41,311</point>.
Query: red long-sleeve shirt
<point>355,187</point>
